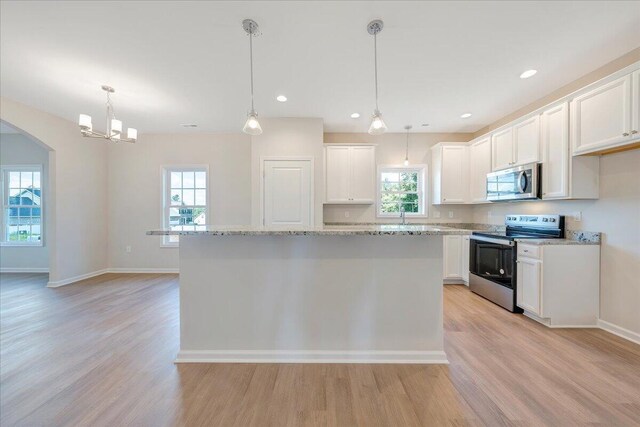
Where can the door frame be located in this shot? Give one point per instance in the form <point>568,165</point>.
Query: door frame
<point>312,199</point>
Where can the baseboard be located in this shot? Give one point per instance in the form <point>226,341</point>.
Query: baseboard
<point>70,280</point>
<point>283,356</point>
<point>619,331</point>
<point>547,322</point>
<point>24,270</point>
<point>145,270</point>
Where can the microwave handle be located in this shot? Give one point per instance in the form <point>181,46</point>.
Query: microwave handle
<point>522,187</point>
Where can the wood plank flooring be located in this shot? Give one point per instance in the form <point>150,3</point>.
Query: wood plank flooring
<point>100,353</point>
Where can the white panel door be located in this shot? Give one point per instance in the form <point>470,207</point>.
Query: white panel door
<point>601,118</point>
<point>454,168</point>
<point>480,166</point>
<point>528,287</point>
<point>338,174</point>
<point>363,174</point>
<point>555,152</point>
<point>452,257</point>
<point>287,193</point>
<point>526,141</point>
<point>502,149</point>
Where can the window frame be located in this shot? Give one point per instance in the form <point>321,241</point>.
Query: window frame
<point>4,193</point>
<point>166,196</point>
<point>423,195</point>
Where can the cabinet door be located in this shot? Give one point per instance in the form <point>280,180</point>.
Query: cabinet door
<point>454,171</point>
<point>464,261</point>
<point>529,285</point>
<point>526,141</point>
<point>502,149</point>
<point>337,179</point>
<point>479,166</point>
<point>362,174</point>
<point>601,118</point>
<point>452,256</point>
<point>555,152</point>
<point>635,105</point>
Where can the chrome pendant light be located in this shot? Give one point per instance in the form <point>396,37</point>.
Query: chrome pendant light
<point>377,124</point>
<point>251,126</point>
<point>406,155</point>
<point>114,126</point>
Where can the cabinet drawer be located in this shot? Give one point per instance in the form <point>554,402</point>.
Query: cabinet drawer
<point>528,251</point>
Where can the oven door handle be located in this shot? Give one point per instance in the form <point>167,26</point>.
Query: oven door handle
<point>492,240</point>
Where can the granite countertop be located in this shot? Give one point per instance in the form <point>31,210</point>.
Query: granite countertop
<point>573,237</point>
<point>326,230</point>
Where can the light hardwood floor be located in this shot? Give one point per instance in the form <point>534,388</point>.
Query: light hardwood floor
<point>100,353</point>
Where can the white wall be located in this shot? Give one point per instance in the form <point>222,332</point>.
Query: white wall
<point>288,137</point>
<point>390,149</point>
<point>617,215</point>
<point>18,149</point>
<point>77,224</point>
<point>135,191</point>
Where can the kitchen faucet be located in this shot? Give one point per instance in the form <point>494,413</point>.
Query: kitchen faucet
<point>403,216</point>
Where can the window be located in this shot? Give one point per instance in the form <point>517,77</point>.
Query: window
<point>185,200</point>
<point>401,187</point>
<point>22,205</point>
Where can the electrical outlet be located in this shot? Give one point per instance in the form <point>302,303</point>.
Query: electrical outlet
<point>127,249</point>
<point>346,214</point>
<point>450,214</point>
<point>436,214</point>
<point>577,216</point>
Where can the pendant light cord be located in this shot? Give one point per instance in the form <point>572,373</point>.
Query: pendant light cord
<point>406,156</point>
<point>251,63</point>
<point>375,61</point>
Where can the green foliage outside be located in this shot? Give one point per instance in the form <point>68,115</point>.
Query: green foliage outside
<point>399,189</point>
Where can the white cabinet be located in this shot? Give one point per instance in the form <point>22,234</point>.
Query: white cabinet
<point>452,258</point>
<point>528,285</point>
<point>350,174</point>
<point>516,145</point>
<point>603,118</point>
<point>565,176</point>
<point>450,173</point>
<point>558,285</point>
<point>464,262</point>
<point>479,167</point>
<point>502,149</point>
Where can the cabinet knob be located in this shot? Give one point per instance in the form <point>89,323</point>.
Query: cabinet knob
<point>526,250</point>
<point>625,134</point>
<point>633,132</point>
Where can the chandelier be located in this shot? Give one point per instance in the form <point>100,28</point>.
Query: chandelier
<point>114,126</point>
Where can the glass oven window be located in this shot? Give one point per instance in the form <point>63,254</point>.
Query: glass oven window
<point>492,262</point>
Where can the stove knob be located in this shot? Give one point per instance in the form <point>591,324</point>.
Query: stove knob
<point>552,219</point>
<point>545,219</point>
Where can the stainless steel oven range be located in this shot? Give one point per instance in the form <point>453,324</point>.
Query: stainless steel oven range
<point>493,256</point>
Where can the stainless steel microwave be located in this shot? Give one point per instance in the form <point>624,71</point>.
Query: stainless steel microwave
<point>519,183</point>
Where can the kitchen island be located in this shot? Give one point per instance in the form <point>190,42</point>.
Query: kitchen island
<point>336,294</point>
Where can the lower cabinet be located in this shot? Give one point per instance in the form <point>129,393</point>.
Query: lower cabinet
<point>456,259</point>
<point>558,285</point>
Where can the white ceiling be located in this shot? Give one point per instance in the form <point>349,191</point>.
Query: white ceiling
<point>174,62</point>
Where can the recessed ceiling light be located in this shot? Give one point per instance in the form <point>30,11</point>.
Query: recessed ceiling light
<point>528,73</point>
<point>355,115</point>
<point>465,116</point>
<point>281,98</point>
<point>189,125</point>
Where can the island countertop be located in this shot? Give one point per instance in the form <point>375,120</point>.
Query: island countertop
<point>326,230</point>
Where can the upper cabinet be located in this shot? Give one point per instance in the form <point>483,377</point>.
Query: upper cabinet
<point>606,118</point>
<point>479,167</point>
<point>350,174</point>
<point>450,173</point>
<point>516,145</point>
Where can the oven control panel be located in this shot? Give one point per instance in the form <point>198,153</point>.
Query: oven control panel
<point>538,221</point>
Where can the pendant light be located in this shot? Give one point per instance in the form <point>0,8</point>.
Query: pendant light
<point>251,126</point>
<point>406,156</point>
<point>377,124</point>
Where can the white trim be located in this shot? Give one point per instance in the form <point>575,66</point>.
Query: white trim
<point>310,356</point>
<point>71,280</point>
<point>144,270</point>
<point>35,167</point>
<point>619,331</point>
<point>340,144</point>
<point>422,190</point>
<point>312,200</point>
<point>24,270</point>
<point>547,322</point>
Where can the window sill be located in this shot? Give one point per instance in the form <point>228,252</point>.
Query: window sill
<point>408,217</point>
<point>21,245</point>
